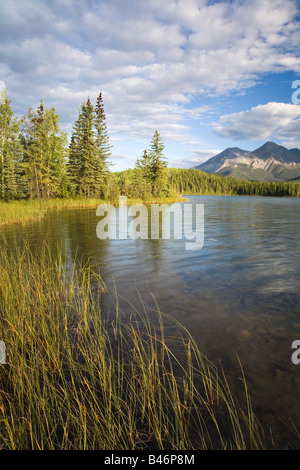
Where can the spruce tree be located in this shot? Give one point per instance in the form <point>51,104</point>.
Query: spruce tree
<point>75,149</point>
<point>44,152</point>
<point>142,179</point>
<point>158,165</point>
<point>89,151</point>
<point>34,161</point>
<point>57,156</point>
<point>89,183</point>
<point>102,138</point>
<point>10,153</point>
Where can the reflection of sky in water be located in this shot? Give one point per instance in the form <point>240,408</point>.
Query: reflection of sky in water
<point>250,244</point>
<point>258,238</point>
<point>241,291</point>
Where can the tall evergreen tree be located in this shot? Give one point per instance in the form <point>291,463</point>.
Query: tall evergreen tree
<point>150,170</point>
<point>82,156</point>
<point>10,153</point>
<point>44,153</point>
<point>142,179</point>
<point>89,180</point>
<point>158,165</point>
<point>143,166</point>
<point>89,151</point>
<point>36,147</point>
<point>102,138</point>
<point>74,160</point>
<point>57,156</point>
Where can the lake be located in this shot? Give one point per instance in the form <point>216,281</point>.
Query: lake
<point>237,295</point>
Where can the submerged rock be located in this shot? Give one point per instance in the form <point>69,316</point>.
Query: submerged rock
<point>244,335</point>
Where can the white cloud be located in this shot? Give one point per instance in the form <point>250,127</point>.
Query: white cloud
<point>260,122</point>
<point>290,134</point>
<point>149,58</point>
<point>200,157</point>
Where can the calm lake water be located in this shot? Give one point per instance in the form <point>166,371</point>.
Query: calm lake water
<point>239,294</point>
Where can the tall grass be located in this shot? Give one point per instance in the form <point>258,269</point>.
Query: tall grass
<point>76,380</point>
<point>35,209</point>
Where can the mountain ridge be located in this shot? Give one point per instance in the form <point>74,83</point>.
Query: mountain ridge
<point>269,162</point>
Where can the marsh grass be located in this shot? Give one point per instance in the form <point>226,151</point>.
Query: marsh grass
<point>76,380</point>
<point>35,209</point>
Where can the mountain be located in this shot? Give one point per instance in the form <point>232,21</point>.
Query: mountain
<point>270,162</point>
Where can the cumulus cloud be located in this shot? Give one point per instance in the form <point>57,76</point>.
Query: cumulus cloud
<point>199,156</point>
<point>150,59</point>
<point>261,122</point>
<point>290,134</point>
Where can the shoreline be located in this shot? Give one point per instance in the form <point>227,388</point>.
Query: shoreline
<point>23,211</point>
<point>33,210</point>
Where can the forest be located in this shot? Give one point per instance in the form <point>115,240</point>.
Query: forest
<point>37,161</point>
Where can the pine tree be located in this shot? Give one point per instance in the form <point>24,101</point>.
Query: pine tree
<point>44,151</point>
<point>102,138</point>
<point>142,179</point>
<point>10,153</point>
<point>57,156</point>
<point>89,183</point>
<point>144,166</point>
<point>89,151</point>
<point>74,160</point>
<point>82,164</point>
<point>158,165</point>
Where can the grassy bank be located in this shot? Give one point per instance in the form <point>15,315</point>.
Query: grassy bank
<point>76,380</point>
<point>28,210</point>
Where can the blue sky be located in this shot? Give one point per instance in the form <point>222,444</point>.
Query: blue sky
<point>207,75</point>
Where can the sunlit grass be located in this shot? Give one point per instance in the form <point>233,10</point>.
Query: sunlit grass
<point>35,209</point>
<point>26,210</point>
<point>77,380</point>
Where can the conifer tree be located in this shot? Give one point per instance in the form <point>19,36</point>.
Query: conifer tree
<point>57,156</point>
<point>74,160</point>
<point>142,179</point>
<point>158,165</point>
<point>89,151</point>
<point>144,166</point>
<point>88,181</point>
<point>36,147</point>
<point>10,153</point>
<point>44,153</point>
<point>102,138</point>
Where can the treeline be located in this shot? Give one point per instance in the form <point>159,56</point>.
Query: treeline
<point>38,162</point>
<point>190,181</point>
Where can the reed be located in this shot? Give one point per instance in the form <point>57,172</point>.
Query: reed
<point>75,379</point>
<point>35,209</point>
<point>26,210</point>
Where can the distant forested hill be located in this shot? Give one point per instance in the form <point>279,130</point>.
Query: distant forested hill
<point>192,181</point>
